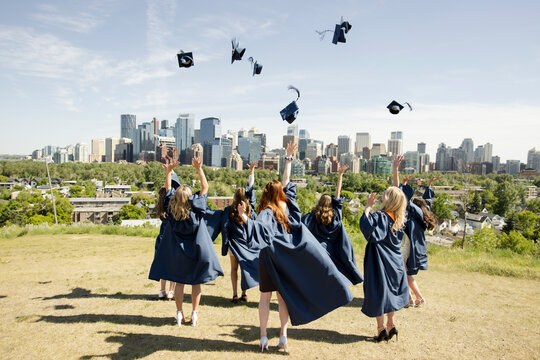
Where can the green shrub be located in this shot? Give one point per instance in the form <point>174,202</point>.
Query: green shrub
<point>518,243</point>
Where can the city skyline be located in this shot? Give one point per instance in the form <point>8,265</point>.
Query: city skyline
<point>69,70</point>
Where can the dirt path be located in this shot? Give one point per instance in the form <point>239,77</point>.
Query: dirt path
<point>83,297</point>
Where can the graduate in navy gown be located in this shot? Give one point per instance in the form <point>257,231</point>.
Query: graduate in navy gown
<point>292,262</point>
<point>161,212</point>
<point>234,240</point>
<point>419,219</point>
<point>325,222</point>
<point>186,253</point>
<point>385,278</point>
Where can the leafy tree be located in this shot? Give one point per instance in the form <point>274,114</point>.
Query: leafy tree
<point>507,195</point>
<point>528,224</point>
<point>484,239</point>
<point>517,243</point>
<point>128,212</point>
<point>442,206</point>
<point>533,205</point>
<point>475,203</point>
<point>76,191</point>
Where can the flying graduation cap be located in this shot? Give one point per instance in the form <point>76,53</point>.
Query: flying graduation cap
<point>339,32</point>
<point>237,52</point>
<point>185,59</point>
<point>290,112</point>
<point>257,68</point>
<point>394,107</point>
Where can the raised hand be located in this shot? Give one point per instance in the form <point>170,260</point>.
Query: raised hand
<point>170,165</point>
<point>196,163</point>
<point>342,169</point>
<point>252,166</point>
<point>397,160</point>
<point>291,148</point>
<point>406,179</point>
<point>372,199</point>
<point>242,209</point>
<point>433,179</point>
<point>419,182</point>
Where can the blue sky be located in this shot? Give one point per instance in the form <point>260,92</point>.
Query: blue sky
<point>469,68</point>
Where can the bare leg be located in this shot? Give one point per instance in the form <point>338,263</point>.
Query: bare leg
<point>163,283</point>
<point>414,287</point>
<point>179,296</point>
<point>234,274</point>
<point>171,286</point>
<point>380,324</point>
<point>390,321</point>
<point>283,315</point>
<point>195,296</point>
<point>264,311</point>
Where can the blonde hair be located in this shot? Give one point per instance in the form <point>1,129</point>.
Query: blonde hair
<point>324,213</point>
<point>394,201</point>
<point>180,206</point>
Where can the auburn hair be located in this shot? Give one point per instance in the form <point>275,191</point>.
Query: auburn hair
<point>239,196</point>
<point>180,205</point>
<point>394,201</point>
<point>161,194</point>
<point>429,218</point>
<point>324,213</point>
<point>271,198</point>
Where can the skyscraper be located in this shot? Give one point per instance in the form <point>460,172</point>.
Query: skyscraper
<point>478,153</point>
<point>292,130</point>
<point>155,121</point>
<point>533,159</point>
<point>128,123</point>
<point>378,149</point>
<point>395,146</point>
<point>363,139</point>
<point>468,146</point>
<point>488,152</point>
<point>81,152</point>
<point>411,160</point>
<point>344,144</point>
<point>513,167</point>
<point>421,148</point>
<point>210,129</point>
<point>183,134</point>
<point>396,135</point>
<point>304,134</point>
<point>110,145</point>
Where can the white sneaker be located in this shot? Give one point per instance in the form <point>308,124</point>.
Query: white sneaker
<point>170,296</point>
<point>162,294</point>
<point>194,317</point>
<point>180,317</point>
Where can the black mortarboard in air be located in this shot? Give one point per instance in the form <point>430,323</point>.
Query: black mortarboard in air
<point>396,107</point>
<point>185,59</point>
<point>339,32</point>
<point>290,112</point>
<point>257,68</point>
<point>237,52</point>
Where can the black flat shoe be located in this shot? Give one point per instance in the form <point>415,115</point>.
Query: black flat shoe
<point>383,335</point>
<point>234,299</point>
<point>393,332</point>
<point>243,298</point>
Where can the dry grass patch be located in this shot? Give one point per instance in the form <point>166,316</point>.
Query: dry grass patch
<point>87,296</point>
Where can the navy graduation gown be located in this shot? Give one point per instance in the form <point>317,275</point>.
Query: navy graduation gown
<point>297,264</point>
<point>415,228</point>
<point>334,238</point>
<point>385,280</point>
<point>234,237</point>
<point>186,254</point>
<point>175,183</point>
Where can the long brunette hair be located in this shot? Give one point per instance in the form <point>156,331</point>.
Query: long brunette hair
<point>271,197</point>
<point>239,196</point>
<point>161,194</point>
<point>324,213</point>
<point>429,218</point>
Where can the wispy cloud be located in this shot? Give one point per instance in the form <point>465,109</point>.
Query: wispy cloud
<point>80,22</point>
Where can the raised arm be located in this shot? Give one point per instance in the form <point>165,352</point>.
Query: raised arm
<point>168,167</point>
<point>197,164</point>
<point>251,179</point>
<point>395,169</point>
<point>291,150</point>
<point>372,199</point>
<point>341,170</point>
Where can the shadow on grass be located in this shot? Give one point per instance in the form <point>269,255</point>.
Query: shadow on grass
<point>206,300</point>
<point>2,296</point>
<point>356,302</point>
<point>63,307</point>
<point>109,318</point>
<point>136,346</point>
<point>44,282</point>
<point>248,333</point>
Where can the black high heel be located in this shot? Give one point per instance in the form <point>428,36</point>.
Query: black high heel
<point>383,335</point>
<point>393,332</point>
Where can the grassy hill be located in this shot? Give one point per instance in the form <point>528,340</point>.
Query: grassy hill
<point>84,296</point>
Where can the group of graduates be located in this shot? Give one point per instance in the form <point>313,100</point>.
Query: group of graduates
<point>295,256</point>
